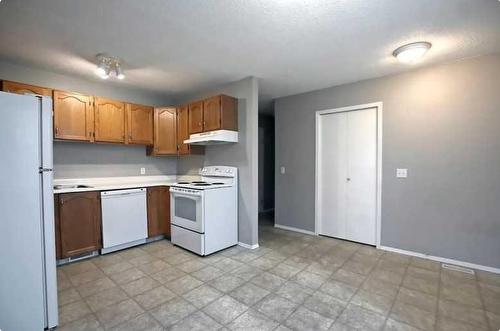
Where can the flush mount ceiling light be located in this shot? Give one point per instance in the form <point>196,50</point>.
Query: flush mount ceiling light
<point>412,53</point>
<point>107,65</point>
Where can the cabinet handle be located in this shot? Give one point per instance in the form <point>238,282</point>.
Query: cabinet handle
<point>57,130</point>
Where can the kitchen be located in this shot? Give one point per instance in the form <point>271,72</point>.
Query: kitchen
<point>97,216</point>
<point>135,169</point>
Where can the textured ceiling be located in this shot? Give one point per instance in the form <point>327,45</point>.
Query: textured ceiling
<point>292,46</point>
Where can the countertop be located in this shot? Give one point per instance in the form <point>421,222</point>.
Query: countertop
<point>116,183</point>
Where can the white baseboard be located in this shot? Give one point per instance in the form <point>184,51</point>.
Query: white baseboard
<point>291,228</point>
<point>248,246</point>
<point>442,259</point>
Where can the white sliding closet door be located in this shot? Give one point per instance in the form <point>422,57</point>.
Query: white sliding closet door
<point>348,175</point>
<point>333,169</point>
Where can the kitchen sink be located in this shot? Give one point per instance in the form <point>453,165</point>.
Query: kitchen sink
<point>63,187</point>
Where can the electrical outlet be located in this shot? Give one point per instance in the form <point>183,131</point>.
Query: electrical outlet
<point>282,170</point>
<point>401,173</point>
<point>143,171</point>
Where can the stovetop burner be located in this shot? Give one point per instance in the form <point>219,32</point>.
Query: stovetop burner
<point>199,183</point>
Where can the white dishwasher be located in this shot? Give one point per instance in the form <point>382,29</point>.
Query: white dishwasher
<point>124,219</point>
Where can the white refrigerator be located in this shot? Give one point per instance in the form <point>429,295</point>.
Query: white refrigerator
<point>28,281</point>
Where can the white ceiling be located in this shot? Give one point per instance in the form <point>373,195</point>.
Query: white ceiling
<point>292,46</point>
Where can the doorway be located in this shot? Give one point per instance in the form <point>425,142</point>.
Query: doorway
<point>348,173</point>
<point>266,170</point>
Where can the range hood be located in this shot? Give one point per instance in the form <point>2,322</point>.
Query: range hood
<point>213,137</point>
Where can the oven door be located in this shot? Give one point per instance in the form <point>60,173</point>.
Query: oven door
<point>187,210</point>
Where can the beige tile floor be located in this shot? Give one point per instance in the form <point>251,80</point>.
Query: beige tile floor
<point>292,282</point>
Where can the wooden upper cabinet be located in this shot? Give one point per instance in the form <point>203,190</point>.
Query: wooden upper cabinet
<point>183,133</point>
<point>158,203</point>
<point>139,124</point>
<point>220,113</point>
<point>73,116</point>
<point>109,121</point>
<point>212,114</point>
<point>182,130</point>
<point>215,113</point>
<point>20,88</point>
<point>195,117</point>
<point>165,132</point>
<point>79,218</point>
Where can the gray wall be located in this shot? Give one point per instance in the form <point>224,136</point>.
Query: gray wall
<point>242,155</point>
<point>80,160</point>
<point>440,122</point>
<point>95,160</point>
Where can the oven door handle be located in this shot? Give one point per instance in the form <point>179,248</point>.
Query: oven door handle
<point>184,195</point>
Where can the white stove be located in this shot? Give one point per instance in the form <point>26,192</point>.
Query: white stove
<point>204,213</point>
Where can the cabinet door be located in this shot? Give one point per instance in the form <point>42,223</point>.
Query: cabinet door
<point>165,141</point>
<point>182,130</point>
<point>212,114</point>
<point>228,113</point>
<point>19,88</point>
<point>73,116</point>
<point>80,223</point>
<point>158,211</point>
<point>139,124</point>
<point>109,121</point>
<point>57,226</point>
<point>195,117</point>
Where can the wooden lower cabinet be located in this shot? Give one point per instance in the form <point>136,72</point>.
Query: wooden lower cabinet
<point>158,211</point>
<point>57,226</point>
<point>78,223</point>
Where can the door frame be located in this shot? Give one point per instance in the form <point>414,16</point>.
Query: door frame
<point>317,179</point>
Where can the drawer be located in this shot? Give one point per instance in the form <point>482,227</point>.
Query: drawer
<point>193,241</point>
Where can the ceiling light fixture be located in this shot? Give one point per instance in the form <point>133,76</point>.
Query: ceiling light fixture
<point>412,53</point>
<point>102,69</point>
<point>108,64</point>
<point>118,71</point>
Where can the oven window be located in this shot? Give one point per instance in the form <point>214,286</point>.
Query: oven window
<point>185,208</point>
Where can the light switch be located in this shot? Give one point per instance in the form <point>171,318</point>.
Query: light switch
<point>401,173</point>
<point>143,171</point>
<point>282,170</point>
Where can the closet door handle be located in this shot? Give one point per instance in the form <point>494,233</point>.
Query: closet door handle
<point>348,179</point>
